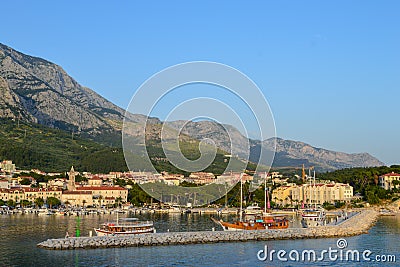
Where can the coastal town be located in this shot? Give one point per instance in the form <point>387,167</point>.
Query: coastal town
<point>19,189</point>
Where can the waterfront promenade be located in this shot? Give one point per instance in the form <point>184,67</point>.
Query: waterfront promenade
<point>356,225</point>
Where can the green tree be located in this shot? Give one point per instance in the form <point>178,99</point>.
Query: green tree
<point>39,202</point>
<point>118,201</point>
<point>137,196</point>
<point>371,197</point>
<point>25,181</point>
<point>52,201</point>
<point>328,206</point>
<point>11,203</point>
<point>2,202</point>
<point>339,204</point>
<point>396,183</point>
<point>25,203</point>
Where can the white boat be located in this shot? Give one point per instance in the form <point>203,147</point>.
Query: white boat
<point>385,212</point>
<point>313,218</point>
<point>42,212</point>
<point>253,210</point>
<point>174,209</point>
<point>126,226</point>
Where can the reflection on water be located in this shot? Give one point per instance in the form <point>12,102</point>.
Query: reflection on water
<point>20,233</point>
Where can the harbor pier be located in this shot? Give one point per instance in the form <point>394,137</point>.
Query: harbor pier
<point>358,224</point>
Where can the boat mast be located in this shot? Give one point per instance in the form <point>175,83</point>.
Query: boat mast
<point>315,194</point>
<point>309,177</point>
<point>241,198</point>
<point>265,193</point>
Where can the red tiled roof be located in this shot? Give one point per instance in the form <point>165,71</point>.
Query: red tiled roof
<point>92,188</point>
<point>77,193</point>
<point>391,174</point>
<point>16,189</point>
<point>30,189</point>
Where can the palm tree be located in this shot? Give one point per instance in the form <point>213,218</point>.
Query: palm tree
<point>25,202</point>
<point>118,200</point>
<point>100,200</point>
<point>287,200</point>
<point>39,202</point>
<point>11,203</point>
<point>52,201</point>
<point>291,200</point>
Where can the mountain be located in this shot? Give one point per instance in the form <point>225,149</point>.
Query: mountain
<point>35,90</point>
<point>288,153</point>
<point>39,91</point>
<point>323,159</point>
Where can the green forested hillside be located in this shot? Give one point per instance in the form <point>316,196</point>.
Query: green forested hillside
<point>36,146</point>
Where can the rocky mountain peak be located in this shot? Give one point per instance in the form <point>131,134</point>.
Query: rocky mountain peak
<point>36,90</point>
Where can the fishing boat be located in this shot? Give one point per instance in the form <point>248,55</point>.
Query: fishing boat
<point>126,226</point>
<point>256,221</point>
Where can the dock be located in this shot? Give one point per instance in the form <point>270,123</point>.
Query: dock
<point>358,224</point>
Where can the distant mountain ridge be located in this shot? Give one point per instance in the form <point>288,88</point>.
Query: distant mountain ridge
<point>319,157</point>
<point>288,153</point>
<point>38,91</point>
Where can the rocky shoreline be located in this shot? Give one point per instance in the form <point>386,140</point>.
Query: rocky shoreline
<point>356,225</point>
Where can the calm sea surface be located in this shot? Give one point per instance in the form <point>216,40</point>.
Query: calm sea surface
<point>19,235</point>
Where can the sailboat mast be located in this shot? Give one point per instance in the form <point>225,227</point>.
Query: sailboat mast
<point>241,198</point>
<point>265,193</point>
<point>315,196</point>
<point>309,175</point>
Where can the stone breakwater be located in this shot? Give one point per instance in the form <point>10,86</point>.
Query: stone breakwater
<point>356,225</point>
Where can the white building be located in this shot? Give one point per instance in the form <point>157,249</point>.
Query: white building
<point>386,181</point>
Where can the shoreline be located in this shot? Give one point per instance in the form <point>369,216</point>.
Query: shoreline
<point>356,225</point>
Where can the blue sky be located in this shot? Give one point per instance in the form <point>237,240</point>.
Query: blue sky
<point>330,70</point>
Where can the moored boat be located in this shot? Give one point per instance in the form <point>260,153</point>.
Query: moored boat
<point>255,223</point>
<point>313,218</point>
<point>385,212</point>
<point>258,221</point>
<point>253,210</point>
<point>126,226</point>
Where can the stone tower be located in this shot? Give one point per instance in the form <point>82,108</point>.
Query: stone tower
<point>71,180</point>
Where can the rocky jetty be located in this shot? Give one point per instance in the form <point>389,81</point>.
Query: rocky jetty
<point>356,225</point>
